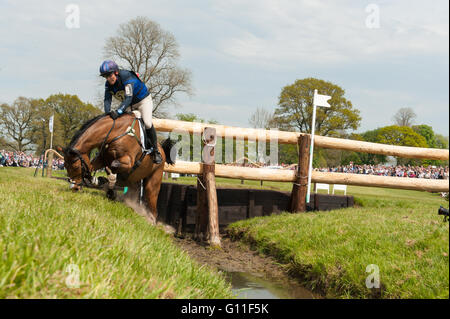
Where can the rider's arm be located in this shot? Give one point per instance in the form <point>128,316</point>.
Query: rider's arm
<point>128,98</point>
<point>107,100</point>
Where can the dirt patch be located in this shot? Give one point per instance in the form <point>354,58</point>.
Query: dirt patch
<point>235,256</point>
<point>232,257</point>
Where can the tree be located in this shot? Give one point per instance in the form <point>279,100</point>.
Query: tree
<point>40,127</point>
<point>16,123</point>
<point>294,111</point>
<point>3,143</point>
<point>396,135</point>
<point>191,117</point>
<point>70,113</point>
<point>404,117</point>
<point>400,135</point>
<point>441,141</point>
<point>142,46</point>
<point>427,132</point>
<point>261,118</point>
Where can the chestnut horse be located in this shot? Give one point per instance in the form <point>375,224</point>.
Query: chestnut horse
<point>119,145</point>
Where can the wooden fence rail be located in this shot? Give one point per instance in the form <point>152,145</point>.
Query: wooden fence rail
<point>279,175</point>
<point>164,125</point>
<point>207,170</point>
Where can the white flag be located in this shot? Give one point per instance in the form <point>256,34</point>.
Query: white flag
<point>321,100</point>
<point>50,124</point>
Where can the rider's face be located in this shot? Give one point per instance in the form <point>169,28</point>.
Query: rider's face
<point>111,78</point>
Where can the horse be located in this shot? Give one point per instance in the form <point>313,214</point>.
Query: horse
<point>119,152</point>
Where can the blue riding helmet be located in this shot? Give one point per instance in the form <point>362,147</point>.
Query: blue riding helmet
<point>108,66</point>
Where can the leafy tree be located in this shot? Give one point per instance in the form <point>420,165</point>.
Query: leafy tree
<point>191,117</point>
<point>441,141</point>
<point>404,117</point>
<point>400,135</point>
<point>396,135</point>
<point>70,113</point>
<point>295,106</point>
<point>427,132</point>
<point>16,123</point>
<point>287,153</point>
<point>144,47</point>
<point>40,127</point>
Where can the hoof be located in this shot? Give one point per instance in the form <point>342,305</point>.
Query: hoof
<point>111,194</point>
<point>102,181</point>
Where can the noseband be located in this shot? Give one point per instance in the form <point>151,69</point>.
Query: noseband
<point>85,171</point>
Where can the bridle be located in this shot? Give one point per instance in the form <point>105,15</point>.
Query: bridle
<point>85,171</point>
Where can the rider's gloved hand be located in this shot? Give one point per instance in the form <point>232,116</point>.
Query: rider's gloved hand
<point>115,114</point>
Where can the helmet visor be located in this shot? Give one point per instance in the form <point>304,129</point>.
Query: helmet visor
<point>106,74</point>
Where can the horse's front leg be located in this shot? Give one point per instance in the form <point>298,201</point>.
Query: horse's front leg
<point>122,164</point>
<point>97,163</point>
<point>152,186</point>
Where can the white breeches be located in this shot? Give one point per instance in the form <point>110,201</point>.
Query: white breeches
<point>145,107</point>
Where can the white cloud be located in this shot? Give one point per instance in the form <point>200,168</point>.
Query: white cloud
<point>324,32</point>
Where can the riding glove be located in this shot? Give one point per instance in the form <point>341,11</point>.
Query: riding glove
<point>115,114</point>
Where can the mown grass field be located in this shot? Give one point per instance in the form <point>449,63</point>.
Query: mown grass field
<point>47,233</point>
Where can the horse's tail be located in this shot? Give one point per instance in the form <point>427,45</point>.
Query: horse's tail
<point>170,150</point>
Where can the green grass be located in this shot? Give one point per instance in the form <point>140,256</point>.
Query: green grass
<point>397,230</point>
<point>45,228</point>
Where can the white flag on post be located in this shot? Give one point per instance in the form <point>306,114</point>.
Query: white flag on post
<point>318,100</point>
<point>50,124</point>
<point>321,100</point>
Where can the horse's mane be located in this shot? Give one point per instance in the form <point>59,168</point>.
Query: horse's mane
<point>84,127</point>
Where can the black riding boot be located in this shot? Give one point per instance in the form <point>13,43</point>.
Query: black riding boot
<point>152,141</point>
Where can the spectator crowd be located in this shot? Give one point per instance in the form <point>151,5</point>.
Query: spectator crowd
<point>429,172</point>
<point>20,159</point>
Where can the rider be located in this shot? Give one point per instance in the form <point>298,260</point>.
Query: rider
<point>131,91</point>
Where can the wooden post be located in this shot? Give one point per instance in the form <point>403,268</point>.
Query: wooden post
<point>208,164</point>
<point>201,219</point>
<point>50,164</point>
<point>298,195</point>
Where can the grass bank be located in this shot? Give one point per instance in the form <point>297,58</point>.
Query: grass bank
<point>50,238</point>
<point>396,230</point>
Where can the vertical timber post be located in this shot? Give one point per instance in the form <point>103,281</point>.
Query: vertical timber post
<point>208,166</point>
<point>50,164</point>
<point>201,219</point>
<point>299,189</point>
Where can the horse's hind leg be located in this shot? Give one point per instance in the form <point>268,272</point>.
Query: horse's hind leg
<point>152,186</point>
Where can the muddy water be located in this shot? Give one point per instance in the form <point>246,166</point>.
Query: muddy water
<point>250,286</point>
<point>251,275</point>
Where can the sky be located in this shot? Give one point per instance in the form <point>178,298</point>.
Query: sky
<point>385,54</point>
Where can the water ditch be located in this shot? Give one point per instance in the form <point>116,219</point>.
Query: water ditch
<point>251,275</point>
<point>250,286</point>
